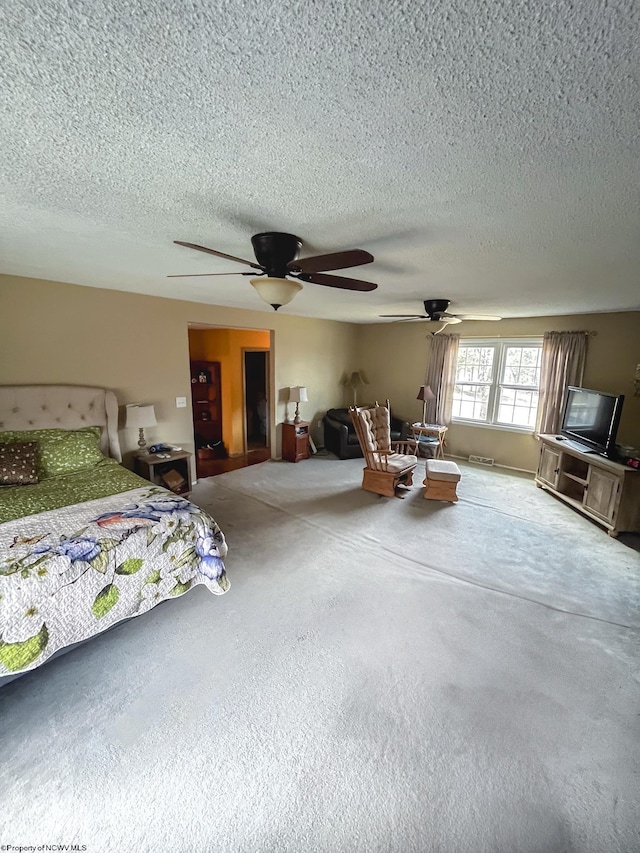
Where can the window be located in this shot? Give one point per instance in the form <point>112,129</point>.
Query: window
<point>497,382</point>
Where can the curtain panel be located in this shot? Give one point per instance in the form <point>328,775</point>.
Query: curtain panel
<point>441,376</point>
<point>563,359</point>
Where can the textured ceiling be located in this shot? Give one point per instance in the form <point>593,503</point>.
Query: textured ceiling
<point>487,152</point>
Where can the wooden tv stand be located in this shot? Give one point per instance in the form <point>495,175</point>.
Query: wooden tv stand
<point>601,489</point>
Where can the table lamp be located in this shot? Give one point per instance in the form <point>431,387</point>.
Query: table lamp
<point>297,395</point>
<point>425,394</point>
<point>140,416</point>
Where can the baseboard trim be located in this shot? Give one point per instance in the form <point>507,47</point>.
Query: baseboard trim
<point>495,465</point>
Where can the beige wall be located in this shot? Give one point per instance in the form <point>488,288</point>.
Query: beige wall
<point>138,346</point>
<point>395,357</point>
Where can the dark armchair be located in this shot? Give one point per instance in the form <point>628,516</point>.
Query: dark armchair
<point>340,435</point>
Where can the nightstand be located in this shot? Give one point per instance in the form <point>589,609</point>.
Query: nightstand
<point>173,473</point>
<point>295,441</point>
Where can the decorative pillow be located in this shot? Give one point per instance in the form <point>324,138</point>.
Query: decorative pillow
<point>62,450</point>
<point>18,463</point>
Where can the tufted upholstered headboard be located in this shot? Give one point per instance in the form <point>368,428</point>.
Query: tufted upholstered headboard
<point>24,407</point>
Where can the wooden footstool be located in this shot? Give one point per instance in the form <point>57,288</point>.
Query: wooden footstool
<point>441,480</point>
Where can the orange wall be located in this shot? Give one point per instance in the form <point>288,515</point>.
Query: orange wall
<point>225,346</point>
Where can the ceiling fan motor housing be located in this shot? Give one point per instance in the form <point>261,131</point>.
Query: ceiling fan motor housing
<point>435,307</point>
<point>274,250</point>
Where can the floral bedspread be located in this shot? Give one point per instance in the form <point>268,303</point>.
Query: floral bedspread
<point>70,573</point>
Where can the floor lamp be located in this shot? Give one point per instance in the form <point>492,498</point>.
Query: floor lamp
<point>356,380</point>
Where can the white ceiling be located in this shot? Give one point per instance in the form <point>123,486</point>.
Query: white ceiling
<point>487,152</point>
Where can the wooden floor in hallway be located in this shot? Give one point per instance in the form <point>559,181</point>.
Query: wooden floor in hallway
<point>211,467</point>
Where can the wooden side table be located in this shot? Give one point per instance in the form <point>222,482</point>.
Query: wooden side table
<point>295,441</point>
<point>430,436</point>
<point>176,469</point>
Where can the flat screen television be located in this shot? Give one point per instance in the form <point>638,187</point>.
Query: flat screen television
<point>592,418</point>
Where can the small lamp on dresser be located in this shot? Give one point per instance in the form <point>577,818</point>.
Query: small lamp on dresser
<point>138,417</point>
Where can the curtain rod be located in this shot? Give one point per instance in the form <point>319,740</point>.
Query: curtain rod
<point>591,334</point>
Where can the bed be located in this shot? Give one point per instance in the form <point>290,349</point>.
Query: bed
<point>85,543</point>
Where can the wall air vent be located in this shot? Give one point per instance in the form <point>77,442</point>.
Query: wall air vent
<point>481,460</point>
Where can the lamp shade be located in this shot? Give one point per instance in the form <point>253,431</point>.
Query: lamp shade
<point>140,416</point>
<point>275,291</point>
<point>298,394</point>
<point>425,393</point>
<point>357,378</point>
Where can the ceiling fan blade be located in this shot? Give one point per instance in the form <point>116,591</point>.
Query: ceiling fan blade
<point>478,317</point>
<point>333,261</point>
<point>217,254</point>
<point>406,316</point>
<point>201,274</point>
<point>337,281</point>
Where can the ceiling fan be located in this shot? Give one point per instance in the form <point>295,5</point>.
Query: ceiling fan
<point>436,311</point>
<point>277,257</point>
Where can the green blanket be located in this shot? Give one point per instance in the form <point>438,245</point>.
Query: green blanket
<point>105,478</point>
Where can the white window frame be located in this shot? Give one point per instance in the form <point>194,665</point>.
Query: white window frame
<point>500,346</point>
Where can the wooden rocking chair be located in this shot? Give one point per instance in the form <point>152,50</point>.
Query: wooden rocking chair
<point>389,466</point>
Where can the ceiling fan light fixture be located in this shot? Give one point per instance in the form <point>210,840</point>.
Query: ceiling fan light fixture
<point>275,291</point>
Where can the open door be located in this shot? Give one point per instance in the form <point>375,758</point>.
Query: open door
<point>256,400</point>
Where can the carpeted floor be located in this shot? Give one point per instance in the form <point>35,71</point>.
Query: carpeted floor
<point>384,675</point>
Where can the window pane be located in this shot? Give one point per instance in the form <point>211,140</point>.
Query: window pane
<point>531,356</point>
<point>517,407</point>
<point>471,402</point>
<point>529,376</point>
<point>475,364</point>
<point>522,366</point>
<point>511,375</point>
<point>523,398</point>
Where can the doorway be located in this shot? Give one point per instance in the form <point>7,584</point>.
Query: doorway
<point>256,400</point>
<point>245,401</point>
